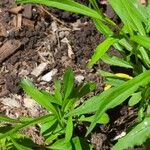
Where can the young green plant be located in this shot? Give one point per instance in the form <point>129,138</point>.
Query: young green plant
<point>132,41</point>
<point>56,125</point>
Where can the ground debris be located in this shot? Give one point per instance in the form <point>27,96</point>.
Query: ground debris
<point>16,10</point>
<point>32,106</point>
<point>79,78</point>
<point>3,31</point>
<point>28,23</point>
<point>10,102</point>
<point>48,77</point>
<point>8,49</point>
<point>39,69</point>
<point>27,13</point>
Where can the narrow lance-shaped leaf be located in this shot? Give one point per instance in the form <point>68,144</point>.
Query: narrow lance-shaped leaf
<point>40,98</point>
<point>68,82</point>
<point>103,120</point>
<point>102,28</point>
<point>115,61</point>
<point>47,125</point>
<point>69,130</point>
<point>142,40</point>
<point>58,94</point>
<point>136,136</point>
<point>136,97</point>
<point>124,90</point>
<point>101,50</point>
<point>68,5</point>
<point>144,56</point>
<point>19,127</point>
<point>87,88</point>
<point>19,146</point>
<point>128,12</point>
<point>7,119</point>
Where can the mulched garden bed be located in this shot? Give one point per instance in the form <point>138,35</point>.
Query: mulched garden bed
<point>36,41</point>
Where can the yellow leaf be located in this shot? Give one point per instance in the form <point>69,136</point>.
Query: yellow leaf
<point>107,87</point>
<point>123,75</point>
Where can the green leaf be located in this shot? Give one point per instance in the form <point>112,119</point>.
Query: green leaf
<point>95,6</point>
<point>144,56</point>
<point>68,82</point>
<point>101,50</point>
<point>19,127</point>
<point>111,79</point>
<point>136,97</point>
<point>60,145</point>
<point>87,107</point>
<point>19,146</point>
<point>80,144</point>
<point>129,13</point>
<point>124,90</point>
<point>105,73</point>
<point>87,88</point>
<point>115,61</point>
<point>110,98</point>
<point>7,119</point>
<point>103,120</point>
<point>68,5</point>
<point>102,28</point>
<point>114,82</point>
<point>76,144</point>
<point>57,91</point>
<point>125,44</point>
<point>50,97</point>
<point>142,40</point>
<point>69,130</point>
<point>40,97</point>
<point>47,125</point>
<point>136,136</point>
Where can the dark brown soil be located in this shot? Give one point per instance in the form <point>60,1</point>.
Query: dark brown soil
<point>43,43</point>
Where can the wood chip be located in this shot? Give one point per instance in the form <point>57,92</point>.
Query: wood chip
<point>70,51</point>
<point>28,23</point>
<point>8,49</point>
<point>4,93</point>
<point>39,69</point>
<point>27,13</point>
<point>14,21</point>
<point>54,26</point>
<point>16,10</point>
<point>19,20</point>
<point>3,31</point>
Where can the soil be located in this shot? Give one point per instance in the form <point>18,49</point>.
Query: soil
<point>59,40</point>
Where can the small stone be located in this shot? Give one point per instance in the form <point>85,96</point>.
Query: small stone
<point>70,51</point>
<point>61,34</point>
<point>48,77</point>
<point>54,26</point>
<point>79,78</point>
